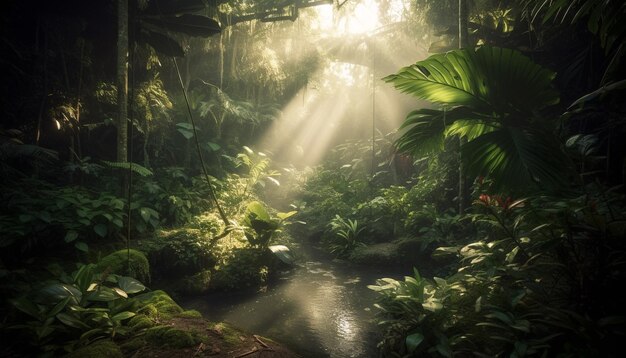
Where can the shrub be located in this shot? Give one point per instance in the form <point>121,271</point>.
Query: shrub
<point>131,262</point>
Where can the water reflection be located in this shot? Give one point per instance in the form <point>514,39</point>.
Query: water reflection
<point>321,310</point>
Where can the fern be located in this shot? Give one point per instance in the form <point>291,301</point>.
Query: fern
<point>139,169</point>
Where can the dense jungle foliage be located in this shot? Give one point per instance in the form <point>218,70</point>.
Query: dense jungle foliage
<point>147,156</point>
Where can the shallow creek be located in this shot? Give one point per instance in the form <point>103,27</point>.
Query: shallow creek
<point>321,309</point>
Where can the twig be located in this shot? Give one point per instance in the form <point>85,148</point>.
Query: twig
<point>200,349</point>
<point>258,339</point>
<point>254,350</point>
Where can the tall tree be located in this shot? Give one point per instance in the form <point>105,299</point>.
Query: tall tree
<point>463,43</point>
<point>122,80</point>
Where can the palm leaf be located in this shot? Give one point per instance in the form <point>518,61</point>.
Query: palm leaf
<point>486,80</point>
<point>470,128</point>
<point>424,134</point>
<point>518,158</point>
<point>444,79</point>
<point>513,82</point>
<point>426,129</point>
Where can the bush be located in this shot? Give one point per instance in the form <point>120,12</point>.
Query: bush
<point>181,252</point>
<point>118,263</point>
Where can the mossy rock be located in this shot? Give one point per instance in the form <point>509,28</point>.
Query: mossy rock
<point>377,254</point>
<point>133,344</point>
<point>98,349</point>
<point>117,262</point>
<point>158,304</point>
<point>141,321</point>
<point>170,337</point>
<point>404,251</point>
<point>190,314</point>
<point>228,333</point>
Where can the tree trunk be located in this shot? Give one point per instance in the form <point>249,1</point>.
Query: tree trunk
<point>122,80</point>
<point>463,43</point>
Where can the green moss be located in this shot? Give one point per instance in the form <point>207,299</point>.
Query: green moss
<point>190,314</point>
<point>133,344</point>
<point>229,333</point>
<point>149,310</point>
<point>161,302</point>
<point>170,337</point>
<point>140,321</point>
<point>98,349</point>
<point>116,262</point>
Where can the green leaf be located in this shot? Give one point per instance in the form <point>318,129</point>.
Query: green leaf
<point>517,158</point>
<point>145,214</point>
<point>103,294</point>
<point>56,292</point>
<point>27,307</point>
<point>283,216</point>
<point>122,316</point>
<point>185,129</point>
<point>84,277</point>
<point>213,146</point>
<point>71,321</point>
<point>130,285</point>
<point>100,229</point>
<point>118,291</point>
<point>432,305</point>
<point>59,307</point>
<point>445,79</point>
<point>71,236</point>
<point>412,341</point>
<point>81,246</point>
<point>259,211</point>
<point>283,253</point>
<point>424,132</point>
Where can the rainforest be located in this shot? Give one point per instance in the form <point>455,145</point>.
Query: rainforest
<point>312,178</point>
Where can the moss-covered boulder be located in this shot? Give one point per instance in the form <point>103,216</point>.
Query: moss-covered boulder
<point>158,305</point>
<point>228,333</point>
<point>376,254</point>
<point>117,262</point>
<point>141,321</point>
<point>405,251</point>
<point>133,344</point>
<point>170,337</point>
<point>98,349</point>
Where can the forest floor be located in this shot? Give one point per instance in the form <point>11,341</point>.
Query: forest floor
<point>218,340</point>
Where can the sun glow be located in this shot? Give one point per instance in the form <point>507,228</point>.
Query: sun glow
<point>364,19</point>
<point>345,98</point>
<point>350,20</point>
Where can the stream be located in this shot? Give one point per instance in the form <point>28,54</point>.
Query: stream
<point>322,308</point>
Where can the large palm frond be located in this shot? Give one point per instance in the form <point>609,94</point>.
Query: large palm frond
<point>495,95</point>
<point>488,79</point>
